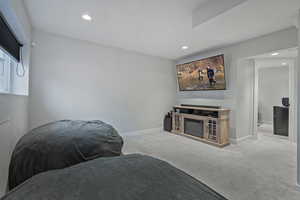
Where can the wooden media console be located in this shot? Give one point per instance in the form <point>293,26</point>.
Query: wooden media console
<point>206,124</point>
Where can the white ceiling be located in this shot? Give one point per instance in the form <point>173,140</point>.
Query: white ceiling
<point>286,53</point>
<point>160,27</point>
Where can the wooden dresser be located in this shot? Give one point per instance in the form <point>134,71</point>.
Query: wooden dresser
<point>206,124</point>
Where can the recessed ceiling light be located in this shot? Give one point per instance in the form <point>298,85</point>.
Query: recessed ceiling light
<point>284,63</point>
<point>86,17</point>
<point>184,47</point>
<point>275,54</point>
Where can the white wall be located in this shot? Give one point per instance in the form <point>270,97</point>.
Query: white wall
<point>14,109</point>
<point>72,79</point>
<point>245,100</point>
<point>13,124</point>
<point>273,86</point>
<point>233,55</point>
<point>298,71</point>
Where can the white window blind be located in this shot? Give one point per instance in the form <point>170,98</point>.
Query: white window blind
<point>5,72</point>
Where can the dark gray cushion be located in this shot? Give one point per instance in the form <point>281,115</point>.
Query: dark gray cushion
<point>131,177</point>
<point>62,144</point>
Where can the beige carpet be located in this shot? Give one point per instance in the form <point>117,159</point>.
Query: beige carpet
<point>263,169</point>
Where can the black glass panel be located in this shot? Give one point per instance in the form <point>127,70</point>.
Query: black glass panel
<point>194,127</point>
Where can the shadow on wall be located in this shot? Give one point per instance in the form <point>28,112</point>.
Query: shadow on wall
<point>13,115</point>
<point>4,155</point>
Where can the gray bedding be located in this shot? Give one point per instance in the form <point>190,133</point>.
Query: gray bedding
<point>61,144</point>
<point>132,177</point>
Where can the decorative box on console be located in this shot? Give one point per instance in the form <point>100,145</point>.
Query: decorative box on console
<point>205,123</point>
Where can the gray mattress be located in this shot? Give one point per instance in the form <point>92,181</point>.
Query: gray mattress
<point>61,144</point>
<point>131,177</point>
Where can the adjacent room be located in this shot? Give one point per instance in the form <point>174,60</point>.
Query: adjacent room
<point>148,99</point>
<point>276,93</point>
<point>273,89</point>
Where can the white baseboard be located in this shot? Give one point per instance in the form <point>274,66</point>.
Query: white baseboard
<point>267,122</point>
<point>142,132</point>
<point>238,140</point>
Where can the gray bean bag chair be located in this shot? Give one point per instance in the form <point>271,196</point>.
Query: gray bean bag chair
<point>131,177</point>
<point>61,144</point>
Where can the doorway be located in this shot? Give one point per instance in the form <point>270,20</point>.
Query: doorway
<point>275,93</point>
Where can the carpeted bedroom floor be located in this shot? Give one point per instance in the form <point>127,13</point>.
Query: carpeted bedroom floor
<point>263,169</point>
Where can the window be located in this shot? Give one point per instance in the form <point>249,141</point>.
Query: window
<point>14,66</point>
<point>7,64</point>
<point>4,72</point>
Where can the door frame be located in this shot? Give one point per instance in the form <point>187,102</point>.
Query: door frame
<point>293,76</point>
